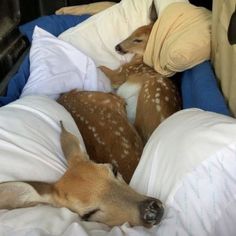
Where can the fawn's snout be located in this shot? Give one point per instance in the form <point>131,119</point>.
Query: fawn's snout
<point>151,211</point>
<point>119,49</point>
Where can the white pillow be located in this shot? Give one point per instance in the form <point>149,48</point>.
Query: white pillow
<point>57,67</point>
<point>98,35</point>
<point>190,164</point>
<point>31,138</point>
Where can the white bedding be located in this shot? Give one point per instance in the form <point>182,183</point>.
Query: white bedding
<point>189,162</point>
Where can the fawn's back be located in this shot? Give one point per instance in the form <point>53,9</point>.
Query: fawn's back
<point>106,131</point>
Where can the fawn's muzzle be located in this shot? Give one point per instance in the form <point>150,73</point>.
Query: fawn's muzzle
<point>151,211</point>
<point>119,49</point>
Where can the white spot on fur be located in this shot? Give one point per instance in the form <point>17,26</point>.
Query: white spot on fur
<point>126,152</point>
<point>125,140</point>
<point>126,145</point>
<point>158,108</point>
<point>121,129</point>
<point>93,129</point>
<point>117,133</point>
<point>106,101</point>
<point>162,118</point>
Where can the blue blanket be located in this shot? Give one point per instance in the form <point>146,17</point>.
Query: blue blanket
<point>198,85</point>
<point>199,89</point>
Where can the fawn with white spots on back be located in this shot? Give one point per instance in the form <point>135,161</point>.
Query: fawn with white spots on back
<point>95,191</point>
<point>156,97</point>
<point>106,131</point>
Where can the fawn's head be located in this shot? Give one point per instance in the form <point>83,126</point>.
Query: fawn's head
<point>136,43</point>
<point>96,192</point>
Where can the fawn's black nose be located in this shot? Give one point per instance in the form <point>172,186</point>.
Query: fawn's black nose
<point>119,49</point>
<point>151,211</point>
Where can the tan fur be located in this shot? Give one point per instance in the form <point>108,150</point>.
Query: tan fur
<point>158,96</point>
<point>92,190</point>
<point>107,134</point>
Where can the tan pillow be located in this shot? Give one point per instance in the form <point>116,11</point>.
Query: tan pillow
<point>180,39</point>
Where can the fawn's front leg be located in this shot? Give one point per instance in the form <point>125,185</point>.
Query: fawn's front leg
<point>116,77</point>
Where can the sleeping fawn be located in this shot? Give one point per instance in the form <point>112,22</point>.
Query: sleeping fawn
<point>150,97</point>
<point>106,131</point>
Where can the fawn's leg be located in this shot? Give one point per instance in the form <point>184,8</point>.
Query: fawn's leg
<point>116,76</point>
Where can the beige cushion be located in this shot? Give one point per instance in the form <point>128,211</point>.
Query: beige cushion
<point>180,39</point>
<point>224,54</point>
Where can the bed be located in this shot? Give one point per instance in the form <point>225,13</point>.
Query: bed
<point>195,178</point>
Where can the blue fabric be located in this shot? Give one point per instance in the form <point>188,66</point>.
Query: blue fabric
<point>16,83</point>
<point>55,24</point>
<point>200,89</point>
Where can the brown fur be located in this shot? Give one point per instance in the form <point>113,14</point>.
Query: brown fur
<point>107,134</point>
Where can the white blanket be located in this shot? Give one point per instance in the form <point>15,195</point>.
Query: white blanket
<point>189,162</point>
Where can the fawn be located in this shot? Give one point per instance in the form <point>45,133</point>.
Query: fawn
<point>154,98</point>
<point>95,191</point>
<point>106,131</point>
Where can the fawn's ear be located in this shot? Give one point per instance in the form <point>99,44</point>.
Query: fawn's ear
<point>153,12</point>
<point>25,194</point>
<point>71,146</point>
